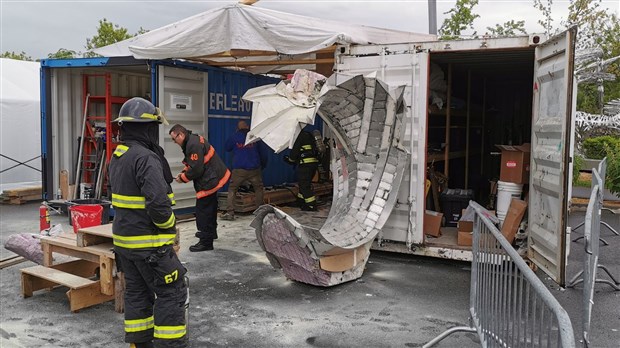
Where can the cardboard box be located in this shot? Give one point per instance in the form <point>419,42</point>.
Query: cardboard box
<point>464,238</point>
<point>432,223</point>
<point>515,163</point>
<point>465,226</point>
<point>513,218</point>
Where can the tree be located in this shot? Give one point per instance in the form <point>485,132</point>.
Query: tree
<point>510,28</point>
<point>461,18</point>
<point>107,34</point>
<point>63,53</point>
<point>19,56</point>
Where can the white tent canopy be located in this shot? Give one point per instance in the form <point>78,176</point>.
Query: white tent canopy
<point>241,28</point>
<point>20,124</point>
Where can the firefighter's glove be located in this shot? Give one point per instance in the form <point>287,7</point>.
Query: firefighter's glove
<point>166,266</point>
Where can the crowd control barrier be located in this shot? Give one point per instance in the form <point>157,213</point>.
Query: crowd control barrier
<point>591,235</point>
<point>509,305</point>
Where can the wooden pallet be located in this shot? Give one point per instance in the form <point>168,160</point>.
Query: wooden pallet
<point>21,195</point>
<point>246,202</point>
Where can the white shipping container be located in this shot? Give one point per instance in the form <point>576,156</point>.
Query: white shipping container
<point>463,98</point>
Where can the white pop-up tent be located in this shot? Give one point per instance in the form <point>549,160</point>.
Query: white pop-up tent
<point>252,38</point>
<point>20,124</point>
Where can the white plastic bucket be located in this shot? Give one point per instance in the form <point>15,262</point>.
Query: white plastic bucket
<point>506,191</point>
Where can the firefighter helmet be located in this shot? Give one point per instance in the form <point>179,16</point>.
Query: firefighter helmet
<point>140,110</point>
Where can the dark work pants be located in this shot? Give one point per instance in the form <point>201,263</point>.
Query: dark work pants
<point>206,218</point>
<point>305,172</point>
<point>144,299</point>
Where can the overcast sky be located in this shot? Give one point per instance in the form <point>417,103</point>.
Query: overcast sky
<point>40,27</point>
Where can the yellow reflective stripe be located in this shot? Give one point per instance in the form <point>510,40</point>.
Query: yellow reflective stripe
<point>310,199</point>
<point>308,160</point>
<point>120,150</point>
<point>137,325</point>
<point>145,241</point>
<point>300,195</point>
<point>167,224</point>
<point>169,332</point>
<point>128,202</point>
<point>149,116</point>
<point>171,196</point>
<point>306,147</point>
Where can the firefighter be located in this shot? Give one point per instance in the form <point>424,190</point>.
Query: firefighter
<point>204,167</point>
<point>144,231</point>
<point>304,155</point>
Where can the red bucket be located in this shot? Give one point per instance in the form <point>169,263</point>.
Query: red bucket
<point>86,215</point>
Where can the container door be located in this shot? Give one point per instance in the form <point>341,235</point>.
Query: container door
<point>552,121</point>
<point>411,69</point>
<point>181,96</point>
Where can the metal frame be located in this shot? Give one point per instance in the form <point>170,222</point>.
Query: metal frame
<point>509,305</point>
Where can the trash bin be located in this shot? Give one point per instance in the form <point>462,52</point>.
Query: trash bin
<point>86,215</point>
<point>453,201</point>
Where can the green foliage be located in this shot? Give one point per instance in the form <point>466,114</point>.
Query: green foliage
<point>510,28</point>
<point>461,18</point>
<point>19,56</point>
<point>62,53</point>
<point>577,167</point>
<point>107,34</point>
<point>598,147</point>
<point>612,181</point>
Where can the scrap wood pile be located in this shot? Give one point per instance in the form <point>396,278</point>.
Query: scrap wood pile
<point>21,195</point>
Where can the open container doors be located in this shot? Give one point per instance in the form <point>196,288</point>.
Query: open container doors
<point>552,124</point>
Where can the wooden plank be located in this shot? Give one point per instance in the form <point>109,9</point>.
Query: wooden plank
<point>80,268</point>
<point>57,276</point>
<point>87,296</point>
<point>64,184</point>
<point>119,292</point>
<point>32,283</point>
<point>94,235</point>
<point>106,277</point>
<point>10,261</point>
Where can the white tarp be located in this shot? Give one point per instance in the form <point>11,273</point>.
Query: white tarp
<point>19,123</point>
<point>244,27</point>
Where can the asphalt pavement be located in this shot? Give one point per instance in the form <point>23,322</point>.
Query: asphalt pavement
<point>238,300</point>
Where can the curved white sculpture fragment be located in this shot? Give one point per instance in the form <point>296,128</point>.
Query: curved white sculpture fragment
<point>368,164</point>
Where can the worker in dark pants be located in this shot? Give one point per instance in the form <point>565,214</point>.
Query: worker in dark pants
<point>304,155</point>
<point>204,167</point>
<point>144,231</point>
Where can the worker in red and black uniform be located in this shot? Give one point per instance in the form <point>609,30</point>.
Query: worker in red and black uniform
<point>204,167</point>
<point>144,231</point>
<point>304,155</point>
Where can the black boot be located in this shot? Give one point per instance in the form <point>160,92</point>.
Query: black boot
<point>202,245</point>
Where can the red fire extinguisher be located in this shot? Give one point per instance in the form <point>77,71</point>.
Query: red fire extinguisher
<point>44,218</point>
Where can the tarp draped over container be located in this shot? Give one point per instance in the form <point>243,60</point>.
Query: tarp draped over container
<point>242,27</point>
<point>20,123</point>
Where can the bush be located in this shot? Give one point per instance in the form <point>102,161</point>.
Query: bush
<point>578,162</point>
<point>612,180</point>
<point>597,147</point>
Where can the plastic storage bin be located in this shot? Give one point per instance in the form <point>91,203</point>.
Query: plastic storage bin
<point>453,201</point>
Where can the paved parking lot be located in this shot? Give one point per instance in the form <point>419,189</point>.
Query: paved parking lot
<point>239,300</point>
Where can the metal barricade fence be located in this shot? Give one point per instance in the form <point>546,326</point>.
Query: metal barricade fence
<point>509,304</point>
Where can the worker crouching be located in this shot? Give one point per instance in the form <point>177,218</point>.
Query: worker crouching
<point>144,231</point>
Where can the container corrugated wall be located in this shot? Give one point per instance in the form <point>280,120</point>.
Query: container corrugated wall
<point>226,108</point>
